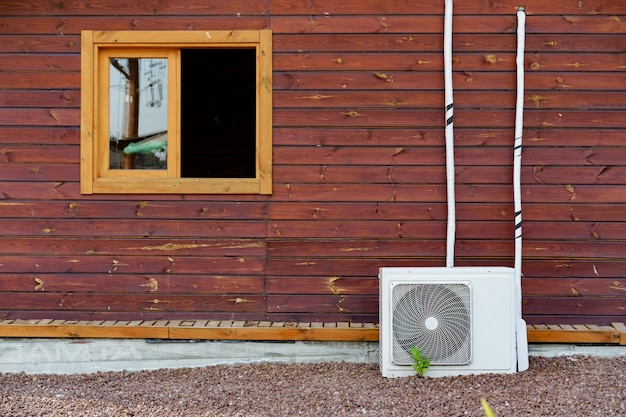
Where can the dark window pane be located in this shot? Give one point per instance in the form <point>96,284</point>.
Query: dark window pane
<point>218,113</point>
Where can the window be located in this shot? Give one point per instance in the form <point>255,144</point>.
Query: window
<point>176,112</point>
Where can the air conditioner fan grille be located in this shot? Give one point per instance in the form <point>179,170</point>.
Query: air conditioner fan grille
<point>436,318</point>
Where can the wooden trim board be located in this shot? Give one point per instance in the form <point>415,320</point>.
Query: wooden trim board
<point>574,334</point>
<point>274,331</point>
<point>190,329</point>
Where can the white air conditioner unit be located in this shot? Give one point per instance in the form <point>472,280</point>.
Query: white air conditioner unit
<point>462,319</point>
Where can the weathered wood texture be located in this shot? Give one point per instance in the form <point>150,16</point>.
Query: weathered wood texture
<point>359,177</point>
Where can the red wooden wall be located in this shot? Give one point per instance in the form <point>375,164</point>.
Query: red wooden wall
<point>359,177</point>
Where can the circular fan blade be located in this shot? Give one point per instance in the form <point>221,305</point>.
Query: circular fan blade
<point>436,318</point>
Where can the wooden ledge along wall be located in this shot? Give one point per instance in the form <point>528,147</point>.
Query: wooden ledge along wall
<point>275,331</point>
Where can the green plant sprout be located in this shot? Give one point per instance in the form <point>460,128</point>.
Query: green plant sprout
<point>488,411</point>
<point>420,363</point>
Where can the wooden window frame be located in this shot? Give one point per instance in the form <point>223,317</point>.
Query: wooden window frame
<point>95,174</point>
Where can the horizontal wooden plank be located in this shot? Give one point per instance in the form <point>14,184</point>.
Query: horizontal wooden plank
<point>359,267</point>
<point>363,174</point>
<point>85,331</point>
<point>41,155</point>
<point>465,247</point>
<point>356,229</point>
<point>129,316</point>
<point>72,23</point>
<point>571,62</point>
<point>551,42</point>
<point>323,23</point>
<point>576,230</point>
<point>410,23</point>
<point>574,306</point>
<point>574,268</point>
<point>322,318</point>
<point>414,136</point>
<point>169,329</point>
<point>37,80</point>
<point>506,7</point>
<point>574,212</point>
<point>58,190</point>
<point>40,43</point>
<point>358,192</point>
<point>28,62</point>
<point>428,99</point>
<point>389,157</point>
<point>581,249</point>
<point>334,285</point>
<point>147,209</point>
<point>346,211</point>
<point>582,320</point>
<point>431,61</point>
<point>358,23</point>
<point>545,194</point>
<point>368,137</point>
<point>95,209</point>
<point>362,118</point>
<point>465,158</point>
<point>548,136</point>
<point>366,80</point>
<point>40,135</point>
<point>362,249</point>
<point>39,98</point>
<point>407,229</point>
<point>289,303</point>
<point>574,194</point>
<point>121,264</point>
<point>574,287</point>
<point>280,333</point>
<point>285,7</point>
<point>39,117</point>
<point>373,99</point>
<point>374,79</point>
<point>463,136</point>
<point>576,335</point>
<point>386,211</point>
<point>343,331</point>
<point>438,211</point>
<point>598,174</point>
<point>38,172</point>
<point>136,303</point>
<point>133,283</point>
<point>132,228</point>
<point>351,42</point>
<point>121,8</point>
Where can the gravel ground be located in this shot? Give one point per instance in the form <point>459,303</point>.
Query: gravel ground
<point>562,386</point>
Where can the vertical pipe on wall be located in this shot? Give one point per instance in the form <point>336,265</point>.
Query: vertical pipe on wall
<point>449,133</point>
<point>522,342</point>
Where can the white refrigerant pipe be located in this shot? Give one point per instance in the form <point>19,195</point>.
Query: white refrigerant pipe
<point>449,103</point>
<point>522,340</point>
<point>521,336</point>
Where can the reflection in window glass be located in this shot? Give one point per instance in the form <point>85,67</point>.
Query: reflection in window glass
<point>138,113</point>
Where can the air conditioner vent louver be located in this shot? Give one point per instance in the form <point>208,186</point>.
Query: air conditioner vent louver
<point>435,317</point>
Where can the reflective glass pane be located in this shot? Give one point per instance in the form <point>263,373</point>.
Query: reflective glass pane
<point>138,113</point>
